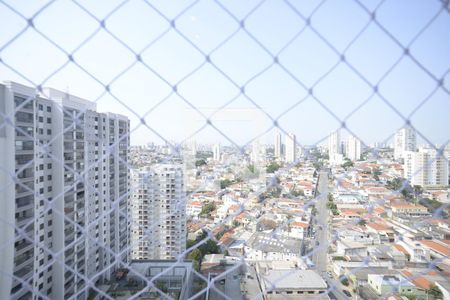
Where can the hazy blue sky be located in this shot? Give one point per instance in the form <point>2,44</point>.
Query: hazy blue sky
<point>206,25</point>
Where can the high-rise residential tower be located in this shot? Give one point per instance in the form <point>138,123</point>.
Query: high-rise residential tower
<point>291,146</point>
<point>334,142</point>
<point>425,168</point>
<point>216,152</point>
<point>335,148</point>
<point>404,140</point>
<point>353,148</point>
<point>70,171</point>
<point>158,212</point>
<point>278,146</point>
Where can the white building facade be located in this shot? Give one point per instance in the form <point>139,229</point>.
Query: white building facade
<point>425,168</point>
<point>335,148</point>
<point>404,140</point>
<point>216,152</point>
<point>291,146</point>
<point>158,212</point>
<point>70,166</point>
<point>278,146</point>
<point>353,148</point>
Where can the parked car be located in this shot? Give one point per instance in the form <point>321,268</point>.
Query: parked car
<point>347,293</point>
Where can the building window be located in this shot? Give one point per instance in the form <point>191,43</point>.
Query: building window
<point>41,107</point>
<point>49,109</point>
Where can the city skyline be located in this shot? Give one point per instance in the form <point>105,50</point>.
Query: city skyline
<point>207,24</point>
<point>225,149</point>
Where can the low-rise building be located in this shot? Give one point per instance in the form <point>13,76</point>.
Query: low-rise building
<point>385,284</point>
<point>291,283</point>
<point>266,246</point>
<point>409,209</point>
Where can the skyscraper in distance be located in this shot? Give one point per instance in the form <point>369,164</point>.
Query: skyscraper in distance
<point>353,148</point>
<point>335,148</point>
<point>278,146</point>
<point>291,146</point>
<point>216,152</point>
<point>405,140</point>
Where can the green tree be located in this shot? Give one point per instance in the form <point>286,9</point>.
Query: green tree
<point>210,247</point>
<point>411,296</point>
<point>395,184</point>
<point>297,193</point>
<point>330,197</point>
<point>200,162</point>
<point>272,167</point>
<point>196,265</point>
<point>344,281</point>
<point>225,183</point>
<point>347,164</point>
<point>362,222</point>
<point>207,208</point>
<point>195,254</point>
<point>190,243</point>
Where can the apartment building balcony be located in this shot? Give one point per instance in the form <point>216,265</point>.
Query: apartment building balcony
<point>68,274</point>
<point>69,253</point>
<point>69,231</point>
<point>69,290</point>
<point>24,272</point>
<point>23,247</point>
<point>21,260</point>
<point>23,220</point>
<point>69,211</point>
<point>80,265</point>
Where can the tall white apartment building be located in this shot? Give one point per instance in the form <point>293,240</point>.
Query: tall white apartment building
<point>404,140</point>
<point>158,212</point>
<point>425,167</point>
<point>256,155</point>
<point>353,148</point>
<point>278,146</point>
<point>334,142</point>
<point>335,148</point>
<point>63,167</point>
<point>216,152</point>
<point>291,146</point>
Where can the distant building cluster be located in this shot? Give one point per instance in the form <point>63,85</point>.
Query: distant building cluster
<point>267,221</point>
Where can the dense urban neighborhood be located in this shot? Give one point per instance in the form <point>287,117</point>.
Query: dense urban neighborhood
<point>362,221</point>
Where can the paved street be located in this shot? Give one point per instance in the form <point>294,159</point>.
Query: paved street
<point>320,255</point>
<point>321,241</point>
